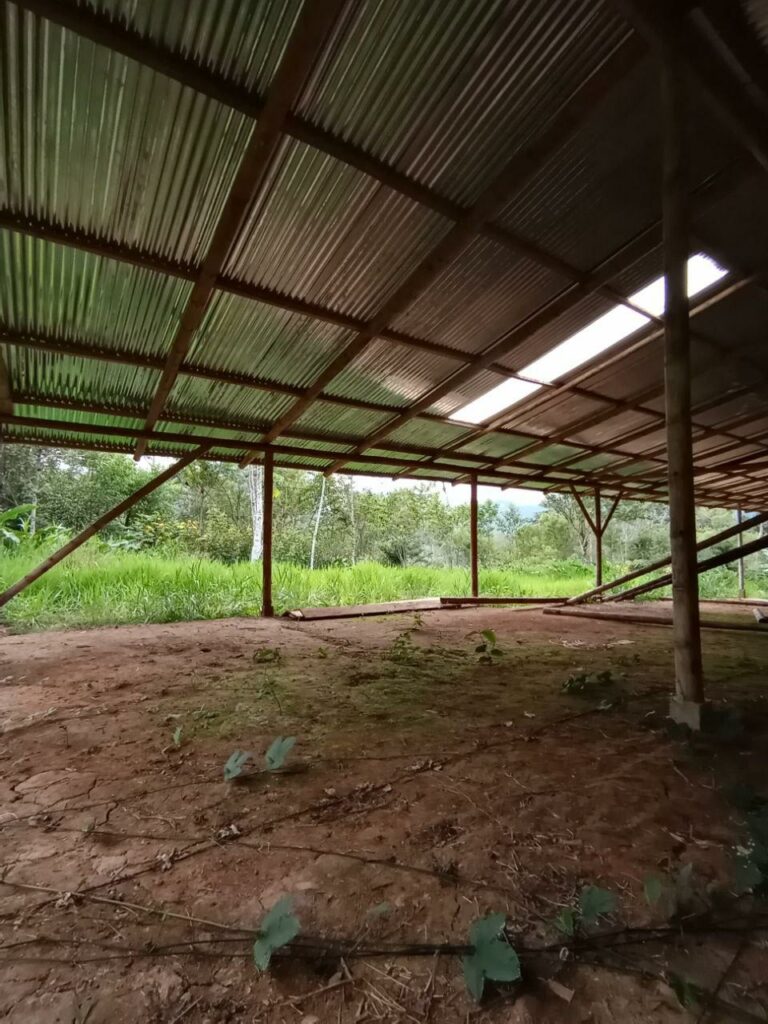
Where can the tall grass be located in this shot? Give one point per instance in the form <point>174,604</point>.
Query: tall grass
<point>98,588</point>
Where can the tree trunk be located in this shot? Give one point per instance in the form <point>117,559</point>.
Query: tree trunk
<point>352,518</point>
<point>316,530</point>
<point>256,497</point>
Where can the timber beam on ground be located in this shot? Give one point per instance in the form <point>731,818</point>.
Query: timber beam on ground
<point>607,613</point>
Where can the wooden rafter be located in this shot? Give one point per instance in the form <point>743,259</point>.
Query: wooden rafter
<point>307,40</point>
<point>129,412</point>
<point>161,440</point>
<point>694,51</point>
<point>644,242</point>
<point>575,477</point>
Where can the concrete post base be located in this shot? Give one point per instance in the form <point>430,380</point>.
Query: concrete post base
<point>686,712</point>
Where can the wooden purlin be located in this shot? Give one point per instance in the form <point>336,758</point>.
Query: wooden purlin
<point>258,447</point>
<point>67,347</point>
<point>604,474</point>
<point>55,11</point>
<point>613,264</point>
<point>564,435</point>
<point>122,39</point>
<point>550,312</point>
<point>308,37</point>
<point>643,491</point>
<point>519,170</point>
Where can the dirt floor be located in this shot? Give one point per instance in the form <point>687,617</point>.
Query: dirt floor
<point>425,789</point>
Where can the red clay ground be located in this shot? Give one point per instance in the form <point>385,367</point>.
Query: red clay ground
<point>428,790</point>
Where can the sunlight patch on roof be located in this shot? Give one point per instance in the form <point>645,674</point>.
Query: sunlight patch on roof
<point>604,332</point>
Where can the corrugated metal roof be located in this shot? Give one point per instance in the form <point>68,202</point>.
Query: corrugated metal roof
<point>241,42</point>
<point>326,233</point>
<point>242,336</point>
<point>94,139</point>
<point>449,92</point>
<point>114,162</point>
<point>476,299</point>
<point>52,289</point>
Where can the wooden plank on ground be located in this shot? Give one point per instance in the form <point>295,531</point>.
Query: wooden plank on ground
<point>460,602</point>
<point>646,620</point>
<point>352,611</point>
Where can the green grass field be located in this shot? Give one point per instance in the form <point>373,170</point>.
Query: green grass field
<point>100,588</point>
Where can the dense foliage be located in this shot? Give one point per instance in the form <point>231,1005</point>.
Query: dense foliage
<point>206,512</point>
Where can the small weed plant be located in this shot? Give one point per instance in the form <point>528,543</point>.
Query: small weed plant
<point>487,650</point>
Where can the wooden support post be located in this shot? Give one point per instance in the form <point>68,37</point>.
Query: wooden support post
<point>689,686</point>
<point>101,522</point>
<point>473,536</point>
<point>267,609</point>
<point>598,540</point>
<point>742,587</point>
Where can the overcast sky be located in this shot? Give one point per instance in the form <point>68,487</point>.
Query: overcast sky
<point>454,495</point>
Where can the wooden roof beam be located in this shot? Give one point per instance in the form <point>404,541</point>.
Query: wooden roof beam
<point>167,416</point>
<point>121,39</point>
<point>308,37</point>
<point>67,346</point>
<point>656,20</point>
<point>231,444</point>
<point>467,225</point>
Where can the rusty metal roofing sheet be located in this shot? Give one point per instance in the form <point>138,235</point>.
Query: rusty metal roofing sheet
<point>391,374</point>
<point>449,92</point>
<point>53,289</point>
<point>198,397</point>
<point>326,233</point>
<point>327,418</point>
<point>484,292</point>
<point>242,336</point>
<point>603,186</point>
<point>242,42</point>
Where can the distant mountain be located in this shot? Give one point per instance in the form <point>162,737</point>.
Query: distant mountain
<point>526,511</point>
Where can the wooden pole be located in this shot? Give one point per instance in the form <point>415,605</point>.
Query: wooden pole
<point>473,536</point>
<point>742,587</point>
<point>689,686</point>
<point>598,539</point>
<point>662,563</point>
<point>267,609</point>
<point>101,522</point>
